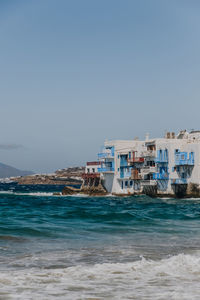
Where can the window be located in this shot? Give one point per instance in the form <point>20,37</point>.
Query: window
<point>88,170</point>
<point>126,183</point>
<point>131,183</point>
<point>122,185</point>
<point>93,170</point>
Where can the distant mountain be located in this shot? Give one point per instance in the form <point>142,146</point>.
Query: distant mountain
<point>8,171</point>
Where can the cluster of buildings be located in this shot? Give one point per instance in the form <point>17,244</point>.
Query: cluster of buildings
<point>160,166</point>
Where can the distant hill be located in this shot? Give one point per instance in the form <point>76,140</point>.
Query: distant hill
<point>8,171</point>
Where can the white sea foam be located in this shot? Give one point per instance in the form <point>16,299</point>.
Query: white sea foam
<point>176,277</point>
<point>38,194</point>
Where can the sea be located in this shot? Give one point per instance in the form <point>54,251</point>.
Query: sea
<point>81,247</point>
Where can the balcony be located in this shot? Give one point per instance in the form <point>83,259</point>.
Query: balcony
<point>105,155</point>
<point>90,175</point>
<point>149,153</point>
<point>179,181</point>
<point>181,159</point>
<point>135,160</point>
<point>148,182</point>
<point>160,160</point>
<point>147,170</point>
<point>161,176</point>
<point>184,162</point>
<point>106,170</point>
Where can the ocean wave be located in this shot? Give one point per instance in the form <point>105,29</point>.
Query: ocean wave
<point>176,277</point>
<point>37,194</point>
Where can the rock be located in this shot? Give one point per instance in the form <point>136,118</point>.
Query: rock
<point>68,190</point>
<point>94,190</point>
<point>193,190</point>
<point>91,191</point>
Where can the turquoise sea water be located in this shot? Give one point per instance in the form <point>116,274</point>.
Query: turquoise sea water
<point>81,247</point>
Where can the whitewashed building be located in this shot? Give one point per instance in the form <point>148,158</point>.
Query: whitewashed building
<point>155,166</point>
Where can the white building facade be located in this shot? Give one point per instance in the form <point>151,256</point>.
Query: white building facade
<point>164,166</point>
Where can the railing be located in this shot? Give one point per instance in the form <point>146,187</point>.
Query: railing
<point>90,175</point>
<point>104,170</point>
<point>148,182</point>
<point>184,162</point>
<point>161,160</point>
<point>105,155</point>
<point>147,170</point>
<point>179,181</point>
<point>136,160</point>
<point>149,153</point>
<point>93,163</point>
<point>161,176</point>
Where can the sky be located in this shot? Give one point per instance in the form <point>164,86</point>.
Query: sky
<point>74,73</point>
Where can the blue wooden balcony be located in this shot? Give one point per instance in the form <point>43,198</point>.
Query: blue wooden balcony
<point>160,160</point>
<point>106,152</point>
<point>185,162</point>
<point>105,155</point>
<point>182,159</point>
<point>106,169</point>
<point>179,181</point>
<point>161,176</point>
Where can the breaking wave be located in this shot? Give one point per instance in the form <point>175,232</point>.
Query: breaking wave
<point>176,277</point>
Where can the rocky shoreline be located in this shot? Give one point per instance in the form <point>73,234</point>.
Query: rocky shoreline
<point>68,176</point>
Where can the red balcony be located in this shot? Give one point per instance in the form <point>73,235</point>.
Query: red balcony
<point>93,163</point>
<point>90,175</point>
<point>136,160</point>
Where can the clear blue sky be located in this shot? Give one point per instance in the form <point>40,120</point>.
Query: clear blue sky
<point>73,73</point>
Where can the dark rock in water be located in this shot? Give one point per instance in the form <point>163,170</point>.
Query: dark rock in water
<point>92,191</point>
<point>56,194</point>
<point>193,190</point>
<point>68,190</point>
